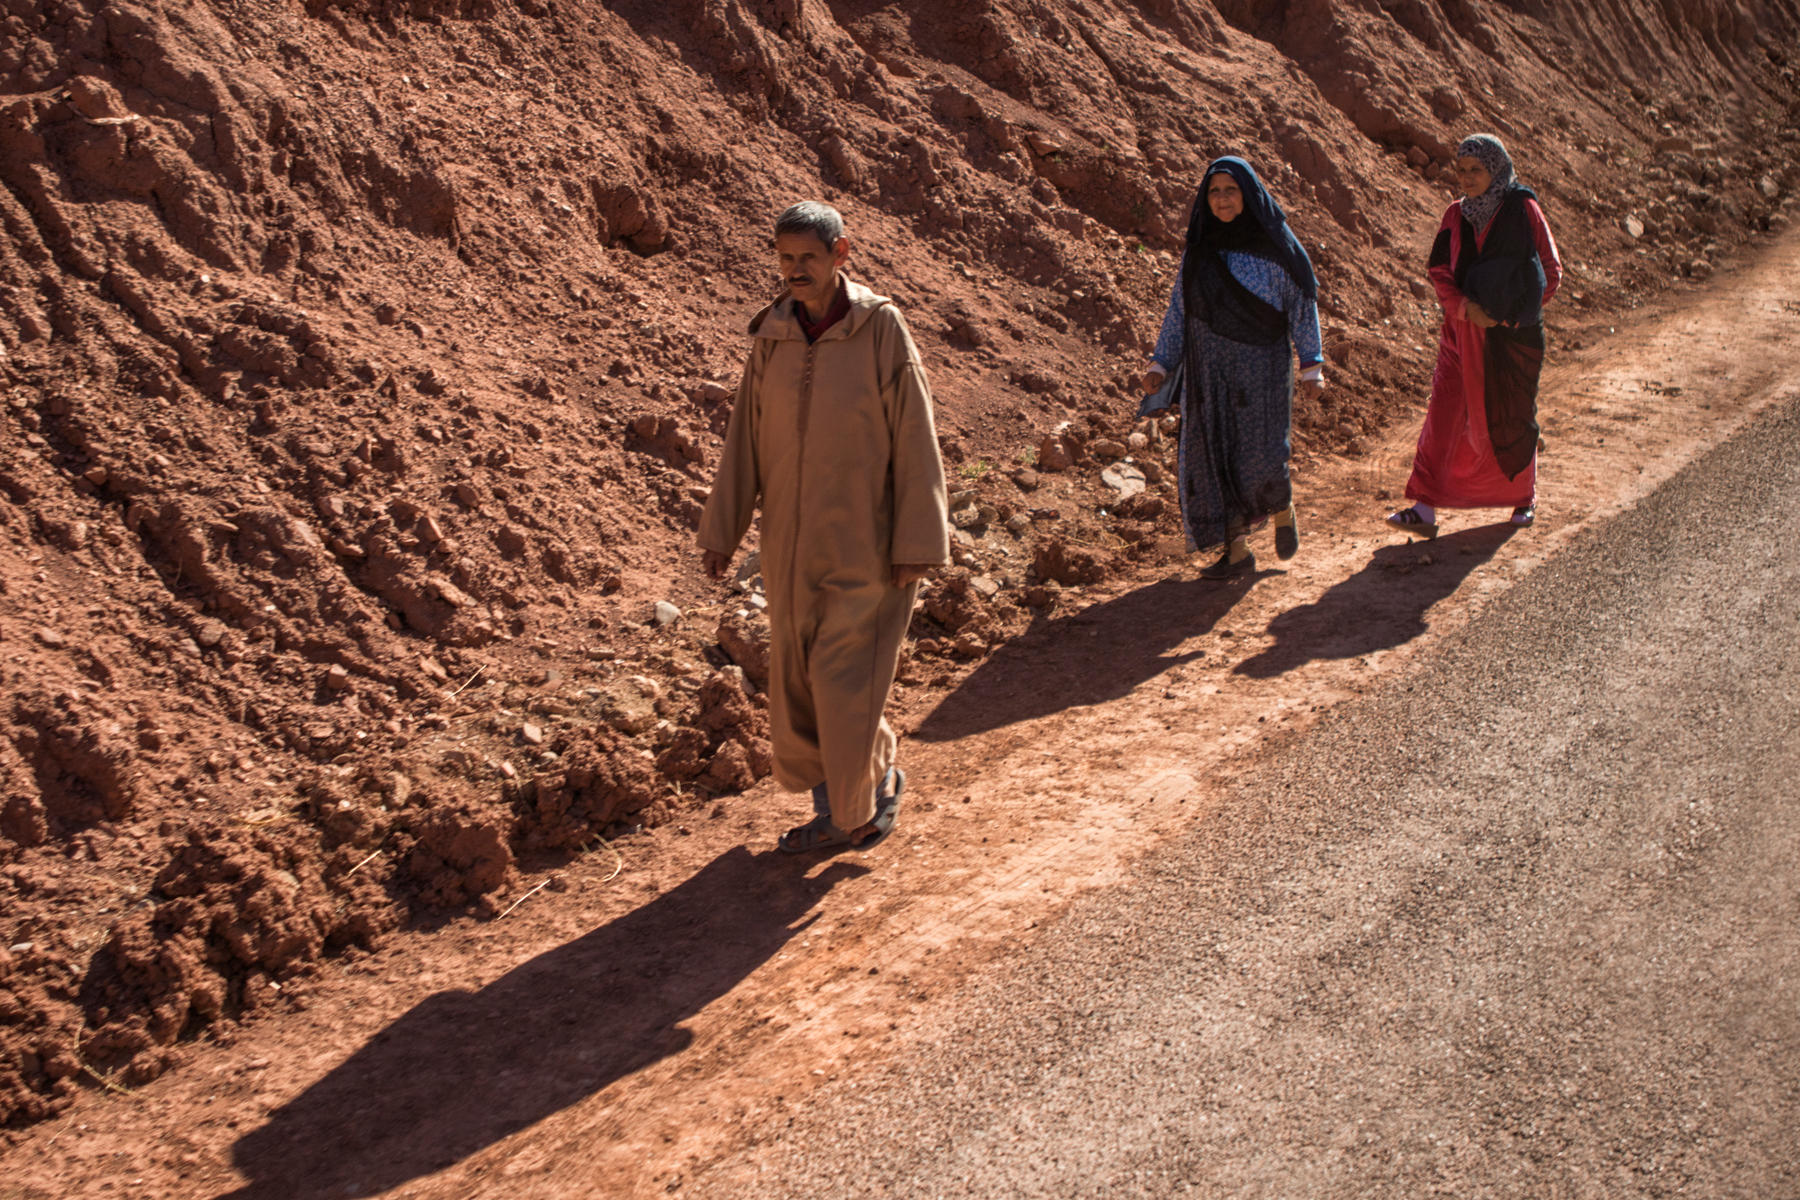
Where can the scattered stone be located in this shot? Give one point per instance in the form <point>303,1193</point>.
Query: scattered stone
<point>1053,455</point>
<point>1124,478</point>
<point>531,735</point>
<point>1674,144</point>
<point>748,576</point>
<point>52,639</point>
<point>1768,187</point>
<point>745,640</point>
<point>433,668</point>
<point>985,586</point>
<point>211,633</point>
<point>1106,449</point>
<point>965,518</point>
<point>1017,524</point>
<point>1420,289</point>
<point>97,475</point>
<point>1700,269</point>
<point>1070,565</point>
<point>452,595</point>
<point>430,532</point>
<point>1027,479</point>
<point>666,614</point>
<point>1138,442</point>
<point>467,495</point>
<point>1633,227</point>
<point>337,679</point>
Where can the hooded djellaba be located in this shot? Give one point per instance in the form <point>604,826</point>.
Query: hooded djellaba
<point>1494,266</point>
<point>1244,306</point>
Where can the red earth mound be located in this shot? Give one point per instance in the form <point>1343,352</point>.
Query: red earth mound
<point>363,364</point>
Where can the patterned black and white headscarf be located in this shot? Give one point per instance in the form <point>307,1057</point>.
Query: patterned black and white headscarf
<point>1486,149</point>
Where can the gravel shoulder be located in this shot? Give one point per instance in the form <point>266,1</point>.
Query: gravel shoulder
<point>1524,921</point>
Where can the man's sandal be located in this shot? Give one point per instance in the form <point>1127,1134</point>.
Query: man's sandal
<point>887,812</point>
<point>1408,520</point>
<point>820,834</point>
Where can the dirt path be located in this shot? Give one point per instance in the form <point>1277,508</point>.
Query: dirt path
<point>1521,923</point>
<point>610,1035</point>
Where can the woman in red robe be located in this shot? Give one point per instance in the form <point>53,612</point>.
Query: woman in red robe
<point>1494,265</point>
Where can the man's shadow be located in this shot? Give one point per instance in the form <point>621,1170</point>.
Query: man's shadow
<point>1089,657</point>
<point>1381,606</point>
<point>465,1069</point>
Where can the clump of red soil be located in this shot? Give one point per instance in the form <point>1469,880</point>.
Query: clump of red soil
<point>363,364</point>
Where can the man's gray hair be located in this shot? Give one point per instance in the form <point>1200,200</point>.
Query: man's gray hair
<point>811,216</point>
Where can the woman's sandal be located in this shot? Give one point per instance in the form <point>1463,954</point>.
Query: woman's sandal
<point>820,834</point>
<point>1287,539</point>
<point>1224,568</point>
<point>1408,520</point>
<point>1525,515</point>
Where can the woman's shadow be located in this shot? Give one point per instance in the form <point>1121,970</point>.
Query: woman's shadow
<point>1098,654</point>
<point>465,1069</point>
<point>1381,606</point>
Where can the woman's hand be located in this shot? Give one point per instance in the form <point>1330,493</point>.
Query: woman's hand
<point>1153,379</point>
<point>1477,315</point>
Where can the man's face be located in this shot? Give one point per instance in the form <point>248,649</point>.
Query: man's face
<point>810,268</point>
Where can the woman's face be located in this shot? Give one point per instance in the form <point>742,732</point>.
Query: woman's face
<point>1471,176</point>
<point>1224,197</point>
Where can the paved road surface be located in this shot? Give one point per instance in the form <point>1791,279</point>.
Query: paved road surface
<point>1526,923</point>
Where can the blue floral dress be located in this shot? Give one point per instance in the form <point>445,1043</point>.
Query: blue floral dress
<point>1237,405</point>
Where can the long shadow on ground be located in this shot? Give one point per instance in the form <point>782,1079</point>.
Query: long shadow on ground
<point>464,1069</point>
<point>1381,606</point>
<point>1090,657</point>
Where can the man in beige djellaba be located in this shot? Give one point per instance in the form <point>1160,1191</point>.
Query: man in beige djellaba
<point>831,433</point>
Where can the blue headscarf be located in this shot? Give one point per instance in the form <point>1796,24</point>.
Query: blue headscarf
<point>1269,237</point>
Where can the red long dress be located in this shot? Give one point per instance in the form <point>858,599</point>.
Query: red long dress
<point>1454,465</point>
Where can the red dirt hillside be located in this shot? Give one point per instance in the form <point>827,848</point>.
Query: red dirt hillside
<point>363,365</point>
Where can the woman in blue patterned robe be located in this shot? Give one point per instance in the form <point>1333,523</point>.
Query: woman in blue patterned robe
<point>1246,293</point>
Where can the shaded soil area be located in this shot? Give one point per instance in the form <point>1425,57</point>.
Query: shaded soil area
<point>362,366</point>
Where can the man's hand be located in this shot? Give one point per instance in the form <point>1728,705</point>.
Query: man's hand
<point>1477,315</point>
<point>714,563</point>
<point>906,573</point>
